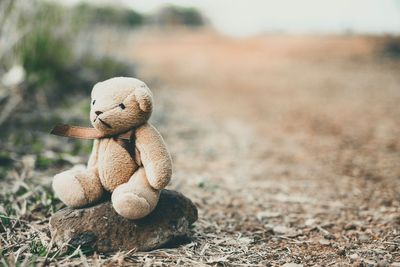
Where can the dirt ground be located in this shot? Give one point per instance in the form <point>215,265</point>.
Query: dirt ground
<point>289,146</point>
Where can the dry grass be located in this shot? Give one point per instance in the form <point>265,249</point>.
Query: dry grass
<point>288,146</point>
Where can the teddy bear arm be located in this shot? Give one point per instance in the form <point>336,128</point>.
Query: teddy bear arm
<point>154,156</point>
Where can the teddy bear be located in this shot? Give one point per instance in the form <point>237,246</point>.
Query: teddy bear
<point>129,158</point>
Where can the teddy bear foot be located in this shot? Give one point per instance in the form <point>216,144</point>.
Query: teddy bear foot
<point>135,199</point>
<point>69,190</point>
<point>130,206</point>
<point>77,188</point>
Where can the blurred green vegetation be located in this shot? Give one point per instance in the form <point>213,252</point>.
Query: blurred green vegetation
<point>169,15</point>
<point>108,15</point>
<point>54,72</point>
<point>57,80</point>
<point>175,15</point>
<point>391,47</point>
<point>57,75</point>
<point>47,55</point>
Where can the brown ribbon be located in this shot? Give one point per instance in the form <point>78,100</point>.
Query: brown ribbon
<point>85,132</point>
<point>125,140</point>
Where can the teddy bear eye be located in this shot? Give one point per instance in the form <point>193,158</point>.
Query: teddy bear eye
<point>122,106</point>
<point>94,101</point>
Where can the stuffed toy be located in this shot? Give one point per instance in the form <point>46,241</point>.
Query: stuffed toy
<point>129,158</point>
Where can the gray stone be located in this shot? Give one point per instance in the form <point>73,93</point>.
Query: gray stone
<point>100,228</point>
<point>291,264</point>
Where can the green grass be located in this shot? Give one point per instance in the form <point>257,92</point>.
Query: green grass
<point>25,209</point>
<point>37,248</point>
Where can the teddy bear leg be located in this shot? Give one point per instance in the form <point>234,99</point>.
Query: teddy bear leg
<point>136,198</point>
<point>77,188</point>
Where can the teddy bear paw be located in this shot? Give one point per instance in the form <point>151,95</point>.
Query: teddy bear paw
<point>130,205</point>
<point>69,190</point>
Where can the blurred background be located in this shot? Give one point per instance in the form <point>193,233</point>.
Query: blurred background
<point>280,116</point>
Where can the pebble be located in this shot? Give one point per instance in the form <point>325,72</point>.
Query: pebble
<point>267,215</point>
<point>281,230</point>
<point>329,236</point>
<point>363,238</point>
<point>324,242</point>
<point>291,264</point>
<point>382,263</point>
<point>341,252</point>
<point>354,256</point>
<point>350,226</point>
<point>310,222</point>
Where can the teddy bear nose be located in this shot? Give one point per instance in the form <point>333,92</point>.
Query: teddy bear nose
<point>98,113</point>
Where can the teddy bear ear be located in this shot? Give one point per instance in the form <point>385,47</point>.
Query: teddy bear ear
<point>144,97</point>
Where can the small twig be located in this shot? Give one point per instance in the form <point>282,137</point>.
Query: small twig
<point>204,249</point>
<point>390,243</point>
<point>76,252</point>
<point>323,230</point>
<point>331,263</point>
<point>13,219</point>
<point>83,258</point>
<point>293,240</point>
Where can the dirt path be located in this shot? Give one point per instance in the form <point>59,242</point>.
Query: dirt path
<point>289,146</point>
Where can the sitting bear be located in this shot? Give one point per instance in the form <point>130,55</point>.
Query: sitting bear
<point>134,172</point>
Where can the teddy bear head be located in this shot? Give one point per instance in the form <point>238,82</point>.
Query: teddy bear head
<point>120,104</point>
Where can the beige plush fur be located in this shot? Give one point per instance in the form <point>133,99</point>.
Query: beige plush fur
<point>135,184</point>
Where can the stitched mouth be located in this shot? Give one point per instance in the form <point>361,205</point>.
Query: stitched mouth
<point>105,123</point>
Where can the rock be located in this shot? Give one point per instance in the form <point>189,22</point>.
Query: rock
<point>329,236</point>
<point>100,228</point>
<point>354,256</point>
<point>382,263</point>
<point>324,242</point>
<point>363,238</point>
<point>291,264</point>
<point>310,222</point>
<point>267,215</point>
<point>350,226</point>
<point>341,252</point>
<point>283,230</point>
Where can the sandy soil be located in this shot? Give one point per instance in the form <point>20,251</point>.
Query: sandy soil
<point>289,146</point>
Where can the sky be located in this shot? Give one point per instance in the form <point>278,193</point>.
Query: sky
<point>252,17</point>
